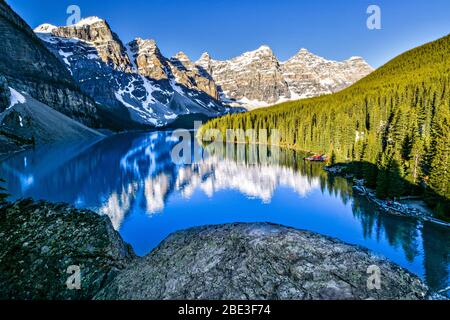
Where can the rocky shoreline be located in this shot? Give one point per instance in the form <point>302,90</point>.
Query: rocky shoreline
<point>40,243</point>
<point>402,207</point>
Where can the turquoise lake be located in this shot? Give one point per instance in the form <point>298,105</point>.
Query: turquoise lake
<point>133,179</point>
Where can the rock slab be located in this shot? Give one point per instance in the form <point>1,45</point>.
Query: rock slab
<point>40,241</point>
<point>258,261</point>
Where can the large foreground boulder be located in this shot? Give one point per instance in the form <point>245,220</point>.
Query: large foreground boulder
<point>260,261</point>
<point>43,245</point>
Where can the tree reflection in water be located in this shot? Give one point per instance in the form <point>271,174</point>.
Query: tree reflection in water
<point>132,176</point>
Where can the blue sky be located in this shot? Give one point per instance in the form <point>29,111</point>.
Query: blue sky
<point>225,28</point>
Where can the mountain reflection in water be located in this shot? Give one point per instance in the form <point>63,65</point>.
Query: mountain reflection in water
<point>132,179</point>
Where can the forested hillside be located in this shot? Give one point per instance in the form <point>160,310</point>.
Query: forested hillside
<point>397,118</point>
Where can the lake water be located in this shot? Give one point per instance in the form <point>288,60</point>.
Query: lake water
<point>132,179</point>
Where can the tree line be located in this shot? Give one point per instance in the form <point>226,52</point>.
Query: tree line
<point>397,118</point>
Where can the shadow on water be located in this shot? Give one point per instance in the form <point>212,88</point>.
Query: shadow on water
<point>388,182</point>
<point>132,179</point>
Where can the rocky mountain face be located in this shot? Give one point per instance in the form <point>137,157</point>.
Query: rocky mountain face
<point>26,122</point>
<point>34,121</point>
<point>4,94</point>
<point>308,75</point>
<point>149,60</point>
<point>27,65</point>
<point>151,63</point>
<point>98,33</point>
<point>188,74</point>
<point>154,90</point>
<point>253,76</point>
<point>257,78</point>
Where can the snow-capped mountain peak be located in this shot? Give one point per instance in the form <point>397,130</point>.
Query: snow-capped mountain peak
<point>182,57</point>
<point>354,58</point>
<point>256,78</point>
<point>204,61</point>
<point>136,77</point>
<point>151,85</point>
<point>45,28</point>
<point>305,56</point>
<point>141,46</point>
<point>264,48</point>
<point>205,56</point>
<point>89,21</point>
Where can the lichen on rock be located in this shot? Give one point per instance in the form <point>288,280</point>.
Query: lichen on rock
<point>39,241</point>
<point>257,262</point>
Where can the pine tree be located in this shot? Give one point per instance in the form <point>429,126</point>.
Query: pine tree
<point>440,165</point>
<point>3,195</point>
<point>332,158</point>
<point>370,173</point>
<point>382,187</point>
<point>396,182</point>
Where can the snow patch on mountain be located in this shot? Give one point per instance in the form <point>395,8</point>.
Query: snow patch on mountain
<point>138,77</point>
<point>154,89</point>
<point>257,79</point>
<point>65,55</point>
<point>16,98</point>
<point>88,21</point>
<point>45,28</point>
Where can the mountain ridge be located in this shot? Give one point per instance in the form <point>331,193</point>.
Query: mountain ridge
<point>227,82</point>
<point>135,76</point>
<point>301,76</point>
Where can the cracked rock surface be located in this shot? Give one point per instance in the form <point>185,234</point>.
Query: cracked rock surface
<point>258,261</point>
<point>39,241</point>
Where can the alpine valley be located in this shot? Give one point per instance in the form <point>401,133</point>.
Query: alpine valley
<point>85,72</point>
<point>99,192</point>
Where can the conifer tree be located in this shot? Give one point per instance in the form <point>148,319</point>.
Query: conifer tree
<point>3,194</point>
